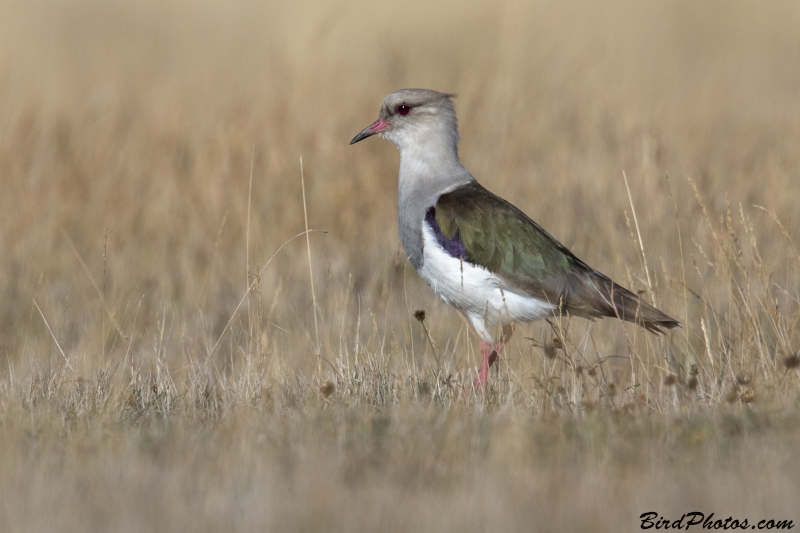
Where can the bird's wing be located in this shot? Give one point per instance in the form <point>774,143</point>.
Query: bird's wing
<point>488,231</point>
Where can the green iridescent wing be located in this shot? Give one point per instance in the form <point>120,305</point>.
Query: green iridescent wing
<point>501,238</point>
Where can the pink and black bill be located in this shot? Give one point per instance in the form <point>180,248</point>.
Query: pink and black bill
<point>376,127</point>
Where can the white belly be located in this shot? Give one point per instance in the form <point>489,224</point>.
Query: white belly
<point>475,291</point>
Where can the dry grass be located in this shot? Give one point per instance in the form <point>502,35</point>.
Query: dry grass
<point>136,396</point>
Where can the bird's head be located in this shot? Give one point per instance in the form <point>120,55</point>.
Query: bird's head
<point>412,117</point>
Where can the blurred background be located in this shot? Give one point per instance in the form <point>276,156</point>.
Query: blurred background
<point>128,131</point>
<point>143,388</point>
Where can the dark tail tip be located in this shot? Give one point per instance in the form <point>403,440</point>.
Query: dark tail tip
<point>659,326</point>
<point>629,306</point>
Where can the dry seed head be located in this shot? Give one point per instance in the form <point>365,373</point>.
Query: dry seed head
<point>424,389</point>
<point>693,371</point>
<point>551,348</point>
<point>670,380</point>
<point>419,314</point>
<point>550,351</point>
<point>692,383</point>
<point>592,372</point>
<point>327,388</point>
<point>748,396</point>
<point>792,360</point>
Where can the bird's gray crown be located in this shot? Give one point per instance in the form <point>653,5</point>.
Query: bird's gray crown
<point>425,101</point>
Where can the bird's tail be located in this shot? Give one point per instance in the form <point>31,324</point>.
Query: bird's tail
<point>617,301</point>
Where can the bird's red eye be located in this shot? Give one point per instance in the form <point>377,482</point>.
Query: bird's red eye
<point>403,109</point>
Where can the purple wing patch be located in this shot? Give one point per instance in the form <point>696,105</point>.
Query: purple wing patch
<point>453,246</point>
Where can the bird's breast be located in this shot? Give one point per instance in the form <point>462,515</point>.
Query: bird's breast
<point>471,288</point>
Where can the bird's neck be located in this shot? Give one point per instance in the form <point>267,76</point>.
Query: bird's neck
<point>429,159</point>
<point>429,154</point>
<point>429,167</point>
<point>428,148</point>
<point>428,170</point>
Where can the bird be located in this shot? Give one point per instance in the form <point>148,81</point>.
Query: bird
<point>477,251</point>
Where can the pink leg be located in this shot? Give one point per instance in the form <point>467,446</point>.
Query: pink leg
<point>489,356</point>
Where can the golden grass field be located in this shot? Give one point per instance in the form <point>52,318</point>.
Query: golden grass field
<point>150,165</point>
